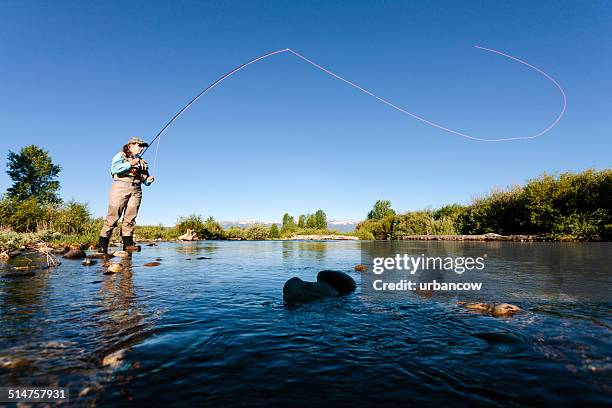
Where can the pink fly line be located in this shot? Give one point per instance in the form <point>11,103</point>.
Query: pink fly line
<point>383,100</point>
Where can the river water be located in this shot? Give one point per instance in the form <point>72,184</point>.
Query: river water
<point>215,331</point>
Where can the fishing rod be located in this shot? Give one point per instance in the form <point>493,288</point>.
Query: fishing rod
<point>380,99</point>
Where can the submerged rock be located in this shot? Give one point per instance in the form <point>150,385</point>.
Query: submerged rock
<point>75,253</point>
<point>361,268</point>
<point>60,251</point>
<point>12,362</point>
<point>505,309</point>
<point>299,291</point>
<point>89,390</point>
<point>493,309</point>
<point>340,281</point>
<point>113,360</point>
<point>479,306</point>
<point>98,255</point>
<point>114,268</point>
<point>152,264</point>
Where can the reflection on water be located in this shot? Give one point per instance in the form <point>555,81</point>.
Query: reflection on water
<point>208,327</point>
<point>297,251</point>
<point>121,316</point>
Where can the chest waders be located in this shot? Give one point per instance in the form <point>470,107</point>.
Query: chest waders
<point>124,200</point>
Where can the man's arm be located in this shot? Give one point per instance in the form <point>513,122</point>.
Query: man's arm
<point>145,177</point>
<point>119,165</point>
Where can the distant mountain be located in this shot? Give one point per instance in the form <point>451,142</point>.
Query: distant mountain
<point>342,226</point>
<point>246,223</point>
<point>338,225</point>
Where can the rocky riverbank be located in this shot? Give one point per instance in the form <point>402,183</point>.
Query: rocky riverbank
<point>482,237</point>
<point>321,237</point>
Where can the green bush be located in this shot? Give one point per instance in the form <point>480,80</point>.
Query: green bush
<point>22,216</point>
<point>193,222</point>
<point>234,232</point>
<point>156,232</point>
<point>274,233</point>
<point>256,232</point>
<point>565,207</point>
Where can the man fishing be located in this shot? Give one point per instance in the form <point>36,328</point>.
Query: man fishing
<point>129,172</point>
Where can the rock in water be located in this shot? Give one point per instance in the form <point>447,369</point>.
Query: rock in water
<point>75,253</point>
<point>299,291</point>
<point>114,359</point>
<point>152,264</point>
<point>495,309</point>
<point>114,267</point>
<point>89,262</point>
<point>479,306</point>
<point>97,255</point>
<point>122,254</point>
<point>361,268</point>
<point>340,281</point>
<point>190,235</point>
<point>505,309</point>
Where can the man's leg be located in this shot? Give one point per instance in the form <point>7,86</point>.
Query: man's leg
<point>129,218</point>
<point>117,202</point>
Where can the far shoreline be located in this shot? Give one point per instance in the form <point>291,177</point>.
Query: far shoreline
<point>334,237</point>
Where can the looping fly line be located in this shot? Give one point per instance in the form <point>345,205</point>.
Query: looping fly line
<point>386,102</point>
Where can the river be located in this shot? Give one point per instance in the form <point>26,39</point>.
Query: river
<point>214,331</point>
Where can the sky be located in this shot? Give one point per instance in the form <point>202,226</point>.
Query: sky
<point>80,78</point>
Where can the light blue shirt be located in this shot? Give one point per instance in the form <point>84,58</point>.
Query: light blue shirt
<point>120,166</point>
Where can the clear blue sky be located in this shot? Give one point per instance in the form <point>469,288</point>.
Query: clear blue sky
<point>79,78</point>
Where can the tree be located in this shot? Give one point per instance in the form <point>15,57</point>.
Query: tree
<point>301,221</point>
<point>381,209</point>
<point>320,219</point>
<point>288,223</point>
<point>257,232</point>
<point>274,232</point>
<point>211,230</point>
<point>34,175</point>
<point>310,221</point>
<point>193,222</point>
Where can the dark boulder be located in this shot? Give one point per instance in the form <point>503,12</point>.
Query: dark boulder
<point>299,291</point>
<point>75,253</point>
<point>340,281</point>
<point>97,255</point>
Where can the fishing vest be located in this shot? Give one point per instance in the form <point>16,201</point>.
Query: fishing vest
<point>136,174</point>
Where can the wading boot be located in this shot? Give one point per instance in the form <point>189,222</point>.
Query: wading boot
<point>128,244</point>
<point>102,246</point>
<point>101,249</point>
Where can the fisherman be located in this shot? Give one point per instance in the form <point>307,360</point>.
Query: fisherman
<point>129,172</point>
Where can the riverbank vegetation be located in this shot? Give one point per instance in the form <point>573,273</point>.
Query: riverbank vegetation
<point>563,207</point>
<point>568,206</point>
